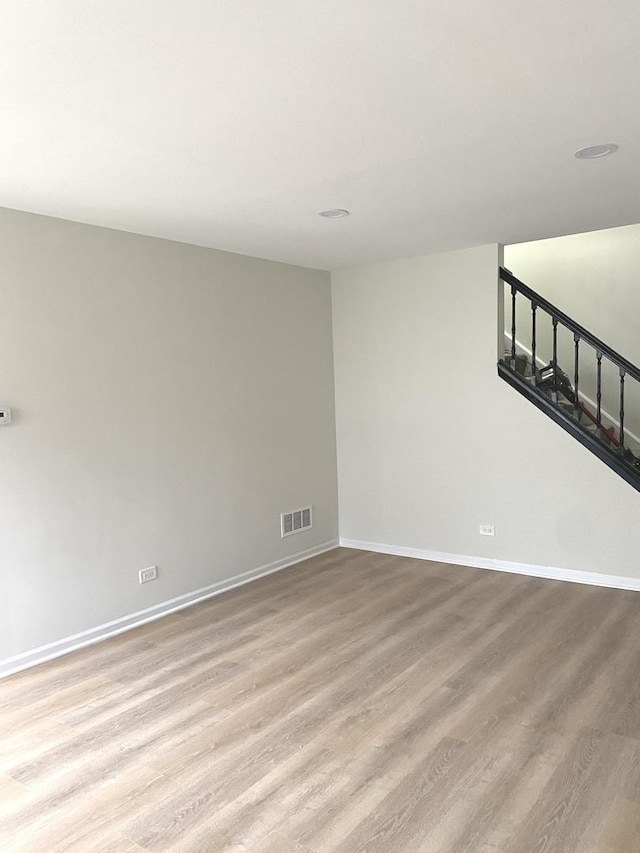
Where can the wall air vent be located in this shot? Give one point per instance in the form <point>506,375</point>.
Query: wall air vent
<point>295,521</point>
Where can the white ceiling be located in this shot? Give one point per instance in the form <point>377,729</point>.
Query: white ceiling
<point>229,123</point>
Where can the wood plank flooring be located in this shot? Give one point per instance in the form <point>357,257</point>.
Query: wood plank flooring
<point>356,703</point>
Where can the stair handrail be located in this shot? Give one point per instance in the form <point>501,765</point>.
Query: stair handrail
<point>622,362</point>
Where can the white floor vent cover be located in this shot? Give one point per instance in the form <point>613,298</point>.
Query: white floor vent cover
<point>295,521</point>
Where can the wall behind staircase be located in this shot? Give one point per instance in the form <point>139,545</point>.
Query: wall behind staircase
<point>595,278</point>
<point>431,442</point>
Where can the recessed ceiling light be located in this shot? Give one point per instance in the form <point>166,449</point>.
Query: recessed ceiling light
<point>594,152</point>
<point>334,213</point>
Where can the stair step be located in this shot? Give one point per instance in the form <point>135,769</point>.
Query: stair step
<point>522,366</point>
<point>545,385</point>
<point>589,425</point>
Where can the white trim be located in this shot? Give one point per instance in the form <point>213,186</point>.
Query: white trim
<point>125,623</point>
<point>582,396</point>
<point>571,575</point>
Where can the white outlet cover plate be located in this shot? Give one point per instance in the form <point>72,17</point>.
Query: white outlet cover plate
<point>149,574</point>
<point>5,416</point>
<point>487,530</point>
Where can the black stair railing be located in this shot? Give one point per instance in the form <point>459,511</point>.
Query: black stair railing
<point>546,385</point>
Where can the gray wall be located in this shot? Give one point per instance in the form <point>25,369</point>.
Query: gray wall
<point>169,401</point>
<point>431,443</point>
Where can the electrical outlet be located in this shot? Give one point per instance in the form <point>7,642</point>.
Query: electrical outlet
<point>487,530</point>
<point>149,574</point>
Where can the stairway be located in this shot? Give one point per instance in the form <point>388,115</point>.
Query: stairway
<point>552,391</point>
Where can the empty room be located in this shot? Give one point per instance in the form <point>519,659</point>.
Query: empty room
<point>319,427</point>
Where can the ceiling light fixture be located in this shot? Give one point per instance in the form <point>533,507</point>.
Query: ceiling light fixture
<point>334,213</point>
<point>594,152</point>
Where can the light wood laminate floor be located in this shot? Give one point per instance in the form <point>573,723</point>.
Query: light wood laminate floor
<point>356,702</point>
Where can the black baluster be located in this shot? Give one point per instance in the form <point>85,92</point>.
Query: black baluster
<point>576,407</point>
<point>513,327</point>
<point>599,394</point>
<point>554,320</point>
<point>533,342</point>
<point>622,374</point>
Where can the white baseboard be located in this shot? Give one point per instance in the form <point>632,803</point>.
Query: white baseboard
<point>571,575</point>
<point>8,666</point>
